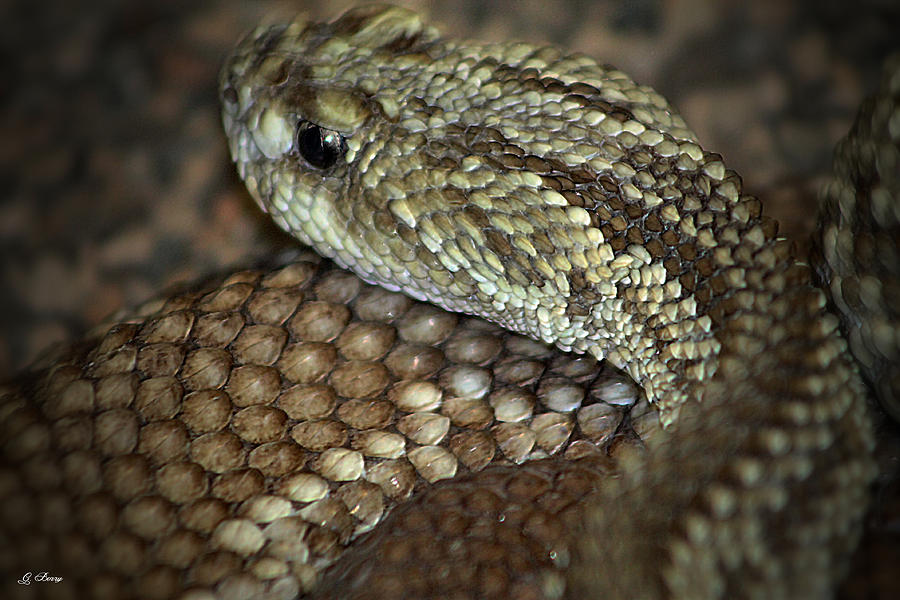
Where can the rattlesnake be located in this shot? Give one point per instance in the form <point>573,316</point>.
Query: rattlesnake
<point>232,439</point>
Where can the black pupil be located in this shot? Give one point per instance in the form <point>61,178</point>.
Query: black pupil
<point>320,147</point>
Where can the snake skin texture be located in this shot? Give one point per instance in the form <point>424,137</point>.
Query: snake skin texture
<point>858,253</point>
<point>231,440</point>
<point>556,197</point>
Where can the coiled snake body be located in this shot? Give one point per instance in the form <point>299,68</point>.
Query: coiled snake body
<point>233,440</point>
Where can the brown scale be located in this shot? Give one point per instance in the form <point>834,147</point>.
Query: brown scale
<point>235,439</point>
<point>511,517</point>
<point>856,244</point>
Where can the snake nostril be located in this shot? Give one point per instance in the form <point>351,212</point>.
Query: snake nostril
<point>229,95</point>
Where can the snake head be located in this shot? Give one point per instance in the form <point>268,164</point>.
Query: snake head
<point>298,104</point>
<point>508,181</point>
<point>306,114</point>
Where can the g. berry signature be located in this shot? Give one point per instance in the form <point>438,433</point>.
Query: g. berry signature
<point>43,576</point>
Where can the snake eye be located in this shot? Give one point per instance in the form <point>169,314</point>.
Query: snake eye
<point>320,147</point>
